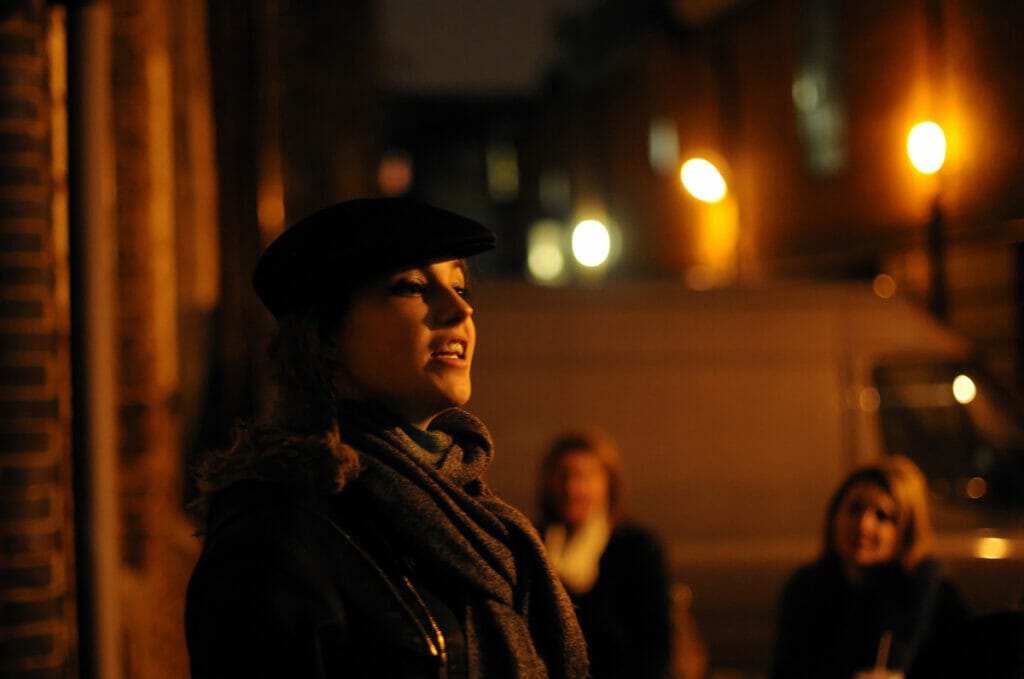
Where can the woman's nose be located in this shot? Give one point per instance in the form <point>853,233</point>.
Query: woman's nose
<point>451,306</point>
<point>867,520</point>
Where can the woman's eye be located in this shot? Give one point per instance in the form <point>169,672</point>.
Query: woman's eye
<point>884,517</point>
<point>405,288</point>
<point>462,291</point>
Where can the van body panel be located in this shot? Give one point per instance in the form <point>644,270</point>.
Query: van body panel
<point>737,412</point>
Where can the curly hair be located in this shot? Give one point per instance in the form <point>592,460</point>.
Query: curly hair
<point>297,441</point>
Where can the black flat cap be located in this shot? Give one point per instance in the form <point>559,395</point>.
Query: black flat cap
<point>341,246</point>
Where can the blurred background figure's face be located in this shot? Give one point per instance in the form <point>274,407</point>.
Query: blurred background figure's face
<point>865,526</point>
<point>580,487</point>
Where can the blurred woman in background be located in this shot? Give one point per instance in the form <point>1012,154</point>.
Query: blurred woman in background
<point>614,570</point>
<point>875,596</point>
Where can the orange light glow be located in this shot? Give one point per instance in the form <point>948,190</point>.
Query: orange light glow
<point>703,180</point>
<point>884,285</point>
<point>991,548</point>
<point>926,147</point>
<point>976,488</point>
<point>394,174</point>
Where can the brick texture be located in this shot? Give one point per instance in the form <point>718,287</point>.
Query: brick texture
<point>150,118</point>
<point>37,612</point>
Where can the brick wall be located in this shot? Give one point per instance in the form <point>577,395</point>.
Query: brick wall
<point>37,613</point>
<point>156,118</point>
<point>149,120</point>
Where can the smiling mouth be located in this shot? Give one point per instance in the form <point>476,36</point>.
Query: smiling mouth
<point>452,349</point>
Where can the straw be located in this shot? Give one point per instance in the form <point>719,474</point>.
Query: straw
<point>882,659</point>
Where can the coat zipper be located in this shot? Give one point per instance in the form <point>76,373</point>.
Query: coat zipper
<point>439,650</point>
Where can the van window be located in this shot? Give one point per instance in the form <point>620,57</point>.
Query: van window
<point>959,425</point>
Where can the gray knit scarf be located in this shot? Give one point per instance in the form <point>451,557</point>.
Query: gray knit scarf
<point>430,493</point>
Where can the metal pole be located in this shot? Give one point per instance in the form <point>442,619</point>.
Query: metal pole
<point>936,243</point>
<point>93,243</point>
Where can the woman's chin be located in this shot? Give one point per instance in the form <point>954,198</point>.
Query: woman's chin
<point>456,394</point>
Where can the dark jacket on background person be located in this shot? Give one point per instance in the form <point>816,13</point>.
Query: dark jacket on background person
<point>990,646</point>
<point>413,569</point>
<point>626,615</point>
<point>827,628</point>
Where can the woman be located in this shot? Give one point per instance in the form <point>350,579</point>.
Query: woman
<point>874,581</point>
<point>351,533</point>
<point>614,570</point>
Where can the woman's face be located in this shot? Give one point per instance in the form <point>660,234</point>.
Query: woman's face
<point>580,487</point>
<point>864,527</point>
<point>407,342</point>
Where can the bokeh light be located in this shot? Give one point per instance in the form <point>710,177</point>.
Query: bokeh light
<point>591,243</point>
<point>545,258</point>
<point>663,145</point>
<point>926,147</point>
<point>976,488</point>
<point>394,173</point>
<point>703,180</point>
<point>964,390</point>
<point>869,399</point>
<point>991,548</point>
<point>884,285</point>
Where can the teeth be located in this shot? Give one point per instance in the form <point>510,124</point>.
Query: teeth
<point>453,347</point>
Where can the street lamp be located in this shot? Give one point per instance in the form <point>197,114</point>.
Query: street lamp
<point>591,243</point>
<point>717,224</point>
<point>703,180</point>
<point>926,149</point>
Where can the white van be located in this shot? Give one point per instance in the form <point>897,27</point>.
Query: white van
<point>738,412</point>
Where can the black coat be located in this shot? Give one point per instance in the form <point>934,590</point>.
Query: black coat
<point>626,615</point>
<point>829,629</point>
<point>296,585</point>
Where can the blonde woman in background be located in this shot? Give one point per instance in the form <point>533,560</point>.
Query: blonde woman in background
<point>876,579</point>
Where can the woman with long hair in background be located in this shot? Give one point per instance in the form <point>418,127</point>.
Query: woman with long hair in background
<point>875,597</point>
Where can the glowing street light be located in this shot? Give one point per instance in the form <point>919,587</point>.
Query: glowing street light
<point>591,243</point>
<point>703,180</point>
<point>964,389</point>
<point>715,226</point>
<point>926,147</point>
